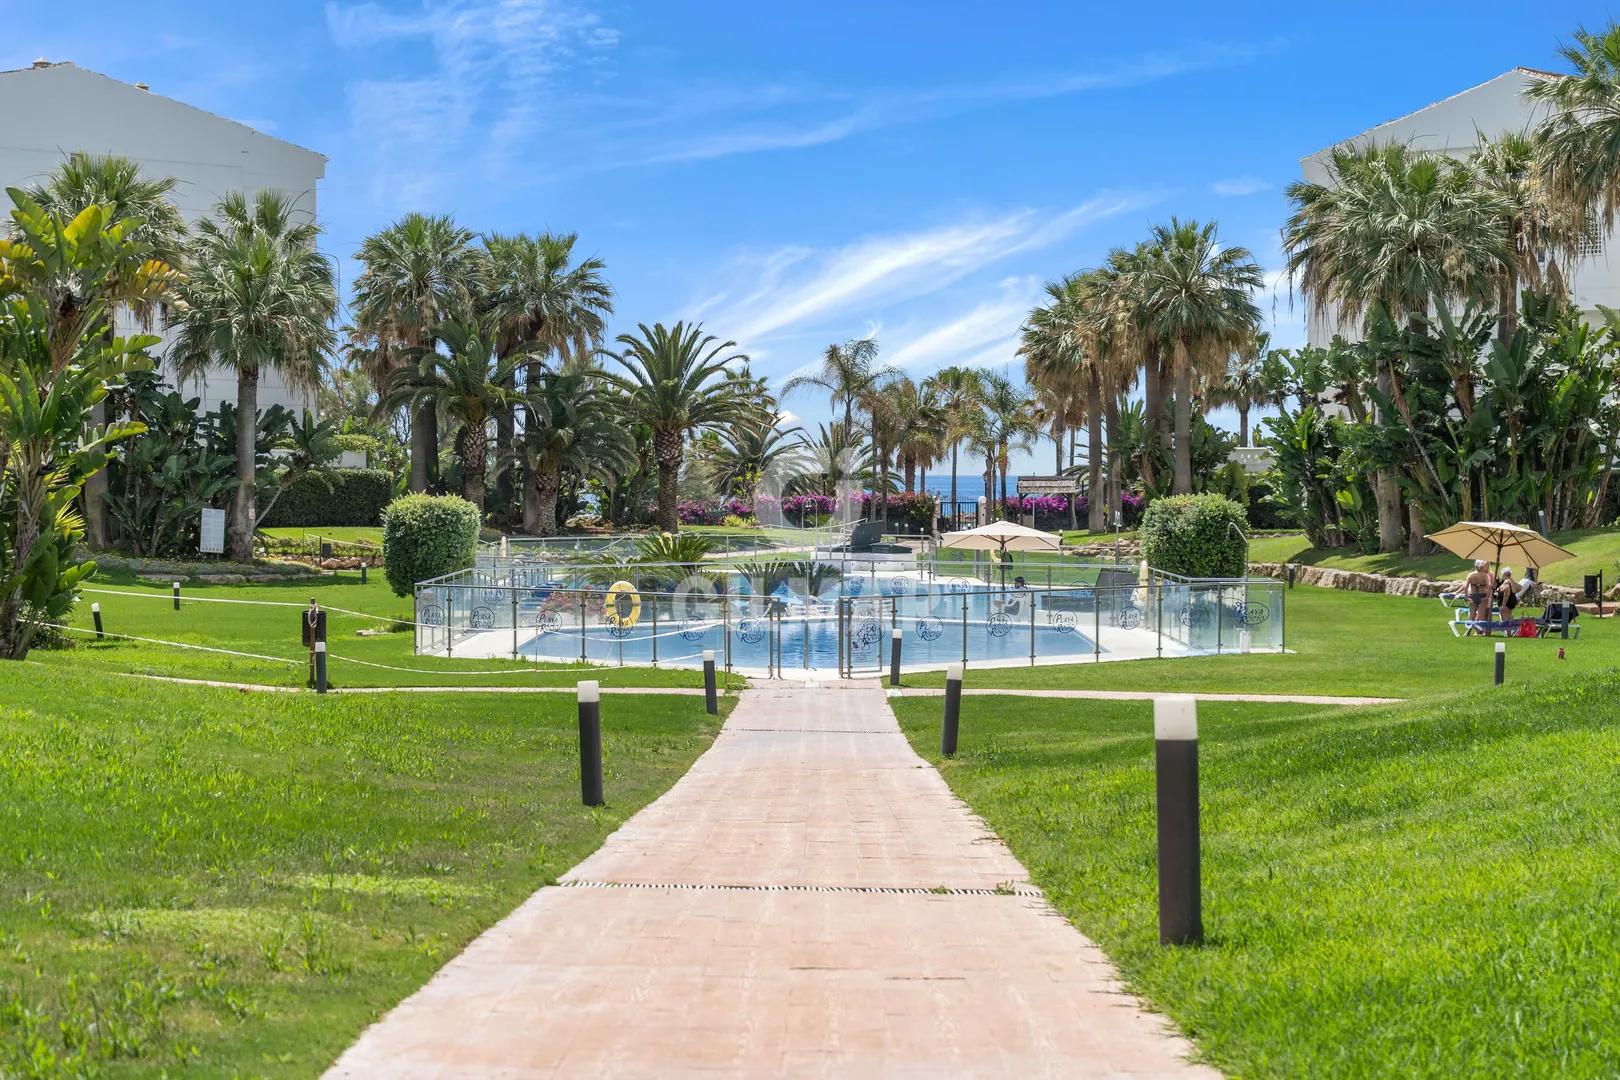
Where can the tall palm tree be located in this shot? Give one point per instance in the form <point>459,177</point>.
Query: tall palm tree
<point>1539,228</point>
<point>258,296</point>
<point>1059,364</point>
<point>541,297</point>
<point>465,381</point>
<point>919,428</point>
<point>1393,229</point>
<point>753,447</point>
<point>1006,423</point>
<point>1241,385</point>
<point>575,427</point>
<point>679,381</point>
<point>1132,329</point>
<point>1200,298</point>
<point>1580,138</point>
<point>849,372</point>
<point>85,180</point>
<point>420,272</point>
<point>959,390</point>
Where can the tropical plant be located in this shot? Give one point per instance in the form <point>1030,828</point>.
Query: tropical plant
<point>257,296</point>
<point>308,452</point>
<point>1580,137</point>
<point>1004,424</point>
<point>958,390</point>
<point>467,383</point>
<point>574,429</point>
<point>419,273</point>
<point>1241,385</point>
<point>849,372</point>
<point>678,381</point>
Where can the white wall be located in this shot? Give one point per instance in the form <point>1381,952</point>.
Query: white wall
<point>1453,126</point>
<point>48,113</point>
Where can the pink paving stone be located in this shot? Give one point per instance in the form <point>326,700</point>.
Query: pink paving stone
<point>687,976</point>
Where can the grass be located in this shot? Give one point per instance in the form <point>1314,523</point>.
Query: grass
<point>236,884</point>
<point>1364,644</point>
<point>145,610</point>
<point>1426,890</point>
<point>1595,550</point>
<point>347,534</point>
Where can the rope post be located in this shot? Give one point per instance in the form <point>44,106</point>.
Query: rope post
<point>590,742</point>
<point>320,667</point>
<point>95,614</point>
<point>1501,662</point>
<point>1175,750</point>
<point>711,703</point>
<point>953,710</point>
<point>175,587</point>
<point>895,636</point>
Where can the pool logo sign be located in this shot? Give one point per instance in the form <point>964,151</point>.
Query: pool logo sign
<point>694,629</point>
<point>1065,621</point>
<point>482,618</point>
<point>751,631</point>
<point>433,615</point>
<point>547,622</point>
<point>929,628</point>
<point>866,634</point>
<point>1000,624</point>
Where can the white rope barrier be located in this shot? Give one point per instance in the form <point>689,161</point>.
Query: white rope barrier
<point>174,644</point>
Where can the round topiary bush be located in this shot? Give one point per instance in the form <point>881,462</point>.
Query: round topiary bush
<point>425,536</point>
<point>1196,536</point>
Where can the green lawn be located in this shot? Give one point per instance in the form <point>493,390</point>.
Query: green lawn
<point>1424,890</point>
<point>1340,643</point>
<point>347,534</point>
<point>208,883</point>
<point>1595,550</point>
<point>274,632</point>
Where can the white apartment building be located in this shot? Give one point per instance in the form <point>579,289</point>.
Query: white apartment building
<point>51,110</point>
<point>1453,126</point>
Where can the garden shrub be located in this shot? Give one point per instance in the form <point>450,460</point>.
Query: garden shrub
<point>1195,536</point>
<point>425,536</point>
<point>357,497</point>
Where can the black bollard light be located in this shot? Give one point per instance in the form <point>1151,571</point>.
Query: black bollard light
<point>711,703</point>
<point>1175,752</point>
<point>590,743</point>
<point>953,710</point>
<point>894,656</point>
<point>1501,662</point>
<point>95,615</point>
<point>320,667</point>
<point>176,587</point>
<point>1291,569</point>
<point>362,571</point>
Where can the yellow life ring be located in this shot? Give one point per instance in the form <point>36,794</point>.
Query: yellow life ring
<point>623,607</point>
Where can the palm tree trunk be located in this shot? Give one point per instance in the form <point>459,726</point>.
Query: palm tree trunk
<point>952,514</point>
<point>95,493</point>
<point>1507,305</point>
<point>247,430</point>
<point>667,449</point>
<point>1096,510</point>
<point>1116,493</point>
<point>540,496</point>
<point>1153,390</point>
<point>1243,423</point>
<point>424,445</point>
<point>1385,484</point>
<point>1182,369</point>
<point>472,446</point>
<point>505,468</point>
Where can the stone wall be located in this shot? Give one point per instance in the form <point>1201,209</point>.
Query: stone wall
<point>1359,581</point>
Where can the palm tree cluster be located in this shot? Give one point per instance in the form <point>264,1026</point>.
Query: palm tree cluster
<point>1172,316</point>
<point>1411,249</point>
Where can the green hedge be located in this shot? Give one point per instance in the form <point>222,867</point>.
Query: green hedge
<point>356,498</point>
<point>1195,536</point>
<point>425,536</point>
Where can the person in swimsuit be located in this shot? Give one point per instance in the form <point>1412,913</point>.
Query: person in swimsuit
<point>1507,592</point>
<point>1477,588</point>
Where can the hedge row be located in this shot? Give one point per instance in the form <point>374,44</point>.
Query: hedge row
<point>356,498</point>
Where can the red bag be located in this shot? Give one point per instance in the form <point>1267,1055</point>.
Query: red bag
<point>1527,628</point>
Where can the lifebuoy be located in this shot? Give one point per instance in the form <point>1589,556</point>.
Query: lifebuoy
<point>623,606</point>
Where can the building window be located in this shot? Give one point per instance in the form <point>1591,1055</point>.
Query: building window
<point>1591,241</point>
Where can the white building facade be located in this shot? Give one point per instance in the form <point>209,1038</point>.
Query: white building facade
<point>1453,127</point>
<point>51,110</point>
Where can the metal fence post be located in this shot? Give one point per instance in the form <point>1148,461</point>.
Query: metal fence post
<point>449,622</point>
<point>514,625</point>
<point>1032,628</point>
<point>964,627</point>
<point>655,630</point>
<point>582,628</point>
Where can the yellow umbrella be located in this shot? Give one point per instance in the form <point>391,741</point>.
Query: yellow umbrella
<point>1491,540</point>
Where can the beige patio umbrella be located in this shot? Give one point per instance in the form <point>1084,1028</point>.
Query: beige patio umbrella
<point>1492,540</point>
<point>1002,537</point>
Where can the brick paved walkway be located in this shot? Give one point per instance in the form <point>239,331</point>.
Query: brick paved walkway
<point>809,900</point>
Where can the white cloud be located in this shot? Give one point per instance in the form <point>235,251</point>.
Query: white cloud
<point>1238,186</point>
<point>834,288</point>
<point>989,327</point>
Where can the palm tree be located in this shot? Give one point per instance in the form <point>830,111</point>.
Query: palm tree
<point>1241,386</point>
<point>1133,332</point>
<point>1200,299</point>
<point>753,447</point>
<point>1059,364</point>
<point>1580,138</point>
<point>257,296</point>
<point>1007,423</point>
<point>1396,230</point>
<point>918,428</point>
<point>576,427</point>
<point>420,272</point>
<point>85,180</point>
<point>541,297</point>
<point>959,390</point>
<point>679,383</point>
<point>468,383</point>
<point>849,372</point>
<point>1537,226</point>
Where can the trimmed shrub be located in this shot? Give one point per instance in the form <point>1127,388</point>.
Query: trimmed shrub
<point>1195,536</point>
<point>357,498</point>
<point>425,536</point>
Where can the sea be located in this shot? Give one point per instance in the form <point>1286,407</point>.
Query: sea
<point>969,486</point>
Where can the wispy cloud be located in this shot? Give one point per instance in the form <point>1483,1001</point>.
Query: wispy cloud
<point>991,327</point>
<point>797,289</point>
<point>1238,186</point>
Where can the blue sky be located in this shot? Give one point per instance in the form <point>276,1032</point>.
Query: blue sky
<point>797,173</point>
